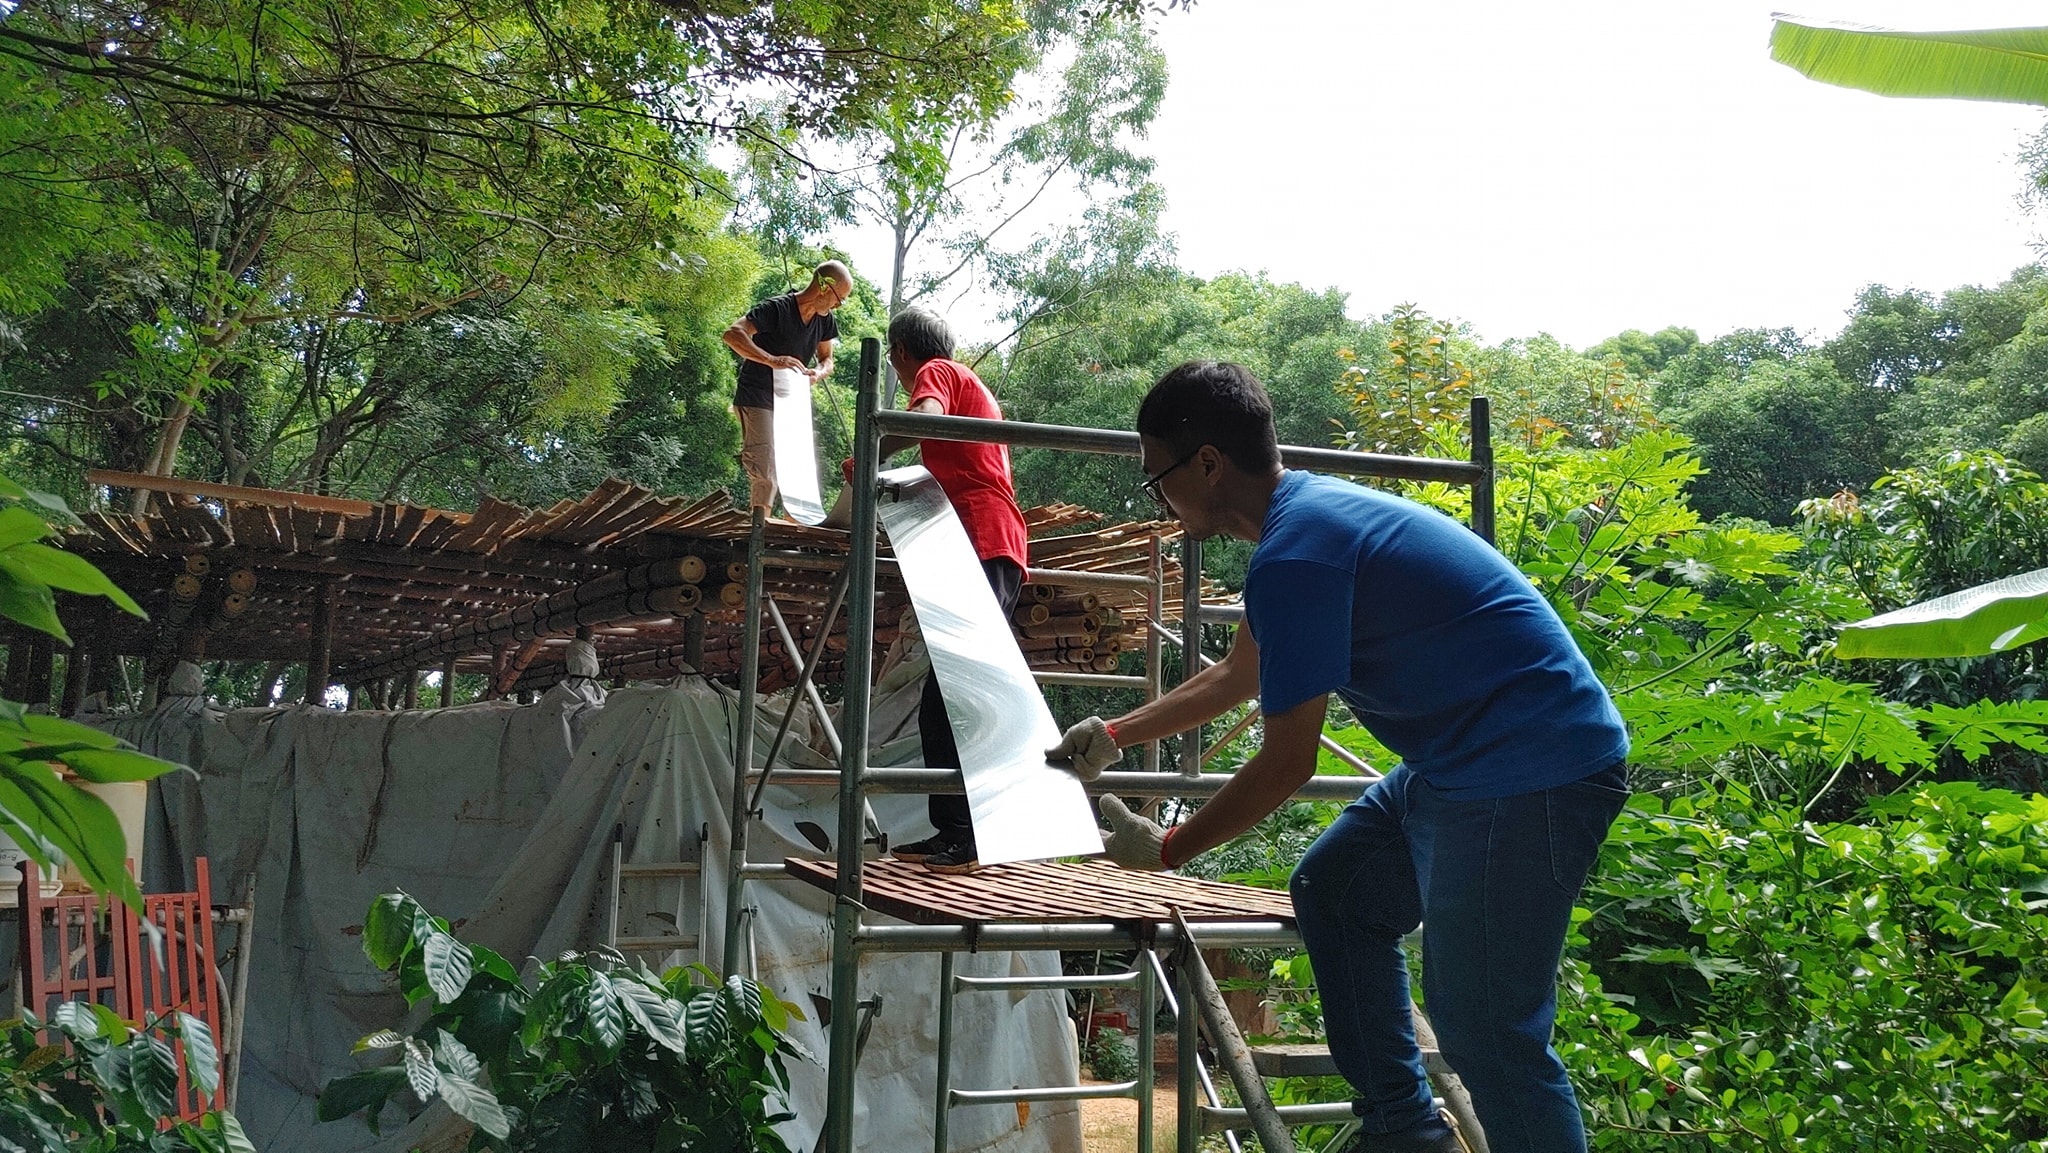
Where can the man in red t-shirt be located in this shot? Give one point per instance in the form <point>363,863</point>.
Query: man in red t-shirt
<point>976,478</point>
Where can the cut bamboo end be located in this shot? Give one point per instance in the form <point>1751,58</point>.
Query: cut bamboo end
<point>684,598</point>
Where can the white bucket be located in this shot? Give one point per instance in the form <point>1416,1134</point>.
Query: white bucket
<point>11,858</point>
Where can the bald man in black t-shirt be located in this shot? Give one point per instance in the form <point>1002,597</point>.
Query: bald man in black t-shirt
<point>781,332</point>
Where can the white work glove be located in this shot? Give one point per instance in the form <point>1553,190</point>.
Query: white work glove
<point>1088,748</point>
<point>1132,841</point>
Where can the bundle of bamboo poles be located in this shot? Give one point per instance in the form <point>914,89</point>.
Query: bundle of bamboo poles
<point>1058,629</point>
<point>232,601</point>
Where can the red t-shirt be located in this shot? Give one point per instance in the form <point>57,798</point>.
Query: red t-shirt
<point>974,475</point>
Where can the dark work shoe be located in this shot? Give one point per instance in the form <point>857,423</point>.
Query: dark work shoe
<point>917,851</point>
<point>1430,1135</point>
<point>960,858</point>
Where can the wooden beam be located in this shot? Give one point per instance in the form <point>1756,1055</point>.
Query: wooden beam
<point>448,682</point>
<point>276,498</point>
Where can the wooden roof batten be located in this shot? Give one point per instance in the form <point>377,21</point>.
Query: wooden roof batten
<point>399,589</point>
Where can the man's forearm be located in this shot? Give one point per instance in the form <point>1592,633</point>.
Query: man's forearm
<point>1201,699</point>
<point>1261,785</point>
<point>737,339</point>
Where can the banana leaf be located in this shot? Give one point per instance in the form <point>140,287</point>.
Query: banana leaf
<point>1975,622</point>
<point>2001,64</point>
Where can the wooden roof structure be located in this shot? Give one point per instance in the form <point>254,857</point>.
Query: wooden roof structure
<point>258,574</point>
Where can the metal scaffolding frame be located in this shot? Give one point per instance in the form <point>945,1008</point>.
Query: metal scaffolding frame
<point>852,936</point>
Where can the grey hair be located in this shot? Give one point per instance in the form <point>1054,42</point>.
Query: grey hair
<point>921,335</point>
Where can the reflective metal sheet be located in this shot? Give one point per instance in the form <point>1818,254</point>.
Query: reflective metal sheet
<point>1023,807</point>
<point>796,450</point>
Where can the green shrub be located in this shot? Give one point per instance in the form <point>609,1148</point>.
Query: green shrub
<point>96,1084</point>
<point>1753,980</point>
<point>1113,1055</point>
<point>589,1057</point>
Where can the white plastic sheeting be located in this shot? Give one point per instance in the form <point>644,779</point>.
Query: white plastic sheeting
<point>501,818</point>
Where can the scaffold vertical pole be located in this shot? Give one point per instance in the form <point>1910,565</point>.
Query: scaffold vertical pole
<point>743,747</point>
<point>853,758</point>
<point>1155,610</point>
<point>1482,457</point>
<point>1190,643</point>
<point>944,1104</point>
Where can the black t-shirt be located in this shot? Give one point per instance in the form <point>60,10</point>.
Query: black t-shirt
<point>779,330</point>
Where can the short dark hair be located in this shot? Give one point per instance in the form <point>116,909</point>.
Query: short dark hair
<point>921,334</point>
<point>1212,402</point>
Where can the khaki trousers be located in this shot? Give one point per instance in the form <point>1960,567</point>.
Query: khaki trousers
<point>757,455</point>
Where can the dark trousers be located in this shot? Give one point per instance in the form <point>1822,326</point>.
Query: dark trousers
<point>935,730</point>
<point>1492,883</point>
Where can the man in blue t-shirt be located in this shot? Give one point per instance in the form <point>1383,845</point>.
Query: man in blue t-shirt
<point>1512,765</point>
<point>781,332</point>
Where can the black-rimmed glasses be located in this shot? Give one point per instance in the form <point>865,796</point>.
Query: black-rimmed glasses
<point>1151,486</point>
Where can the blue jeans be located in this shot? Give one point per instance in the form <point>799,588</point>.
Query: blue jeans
<point>1493,883</point>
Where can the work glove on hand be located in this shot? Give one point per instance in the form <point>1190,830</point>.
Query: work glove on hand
<point>1132,841</point>
<point>1089,747</point>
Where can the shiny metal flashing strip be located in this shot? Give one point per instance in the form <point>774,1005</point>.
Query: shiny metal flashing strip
<point>1023,808</point>
<point>796,450</point>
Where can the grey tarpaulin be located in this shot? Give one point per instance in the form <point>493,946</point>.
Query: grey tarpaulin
<point>500,817</point>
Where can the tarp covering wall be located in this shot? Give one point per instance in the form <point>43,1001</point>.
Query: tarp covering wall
<point>501,817</point>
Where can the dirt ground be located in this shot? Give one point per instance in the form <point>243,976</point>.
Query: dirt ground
<point>1111,1125</point>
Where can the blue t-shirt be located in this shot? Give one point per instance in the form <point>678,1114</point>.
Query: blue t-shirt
<point>1446,653</point>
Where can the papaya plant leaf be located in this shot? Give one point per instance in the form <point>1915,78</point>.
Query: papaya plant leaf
<point>18,525</point>
<point>705,1019</point>
<point>454,1057</point>
<point>113,766</point>
<point>553,1005</point>
<point>153,1073</point>
<point>607,1022</point>
<point>475,1104</point>
<point>381,1039</point>
<point>746,1001</point>
<point>76,1019</point>
<point>232,1137</point>
<point>76,823</point>
<point>420,1073</point>
<point>31,605</point>
<point>66,572</point>
<point>387,930</point>
<point>654,1012</point>
<point>202,1056</point>
<point>447,964</point>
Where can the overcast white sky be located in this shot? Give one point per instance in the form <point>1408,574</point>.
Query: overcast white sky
<point>1577,167</point>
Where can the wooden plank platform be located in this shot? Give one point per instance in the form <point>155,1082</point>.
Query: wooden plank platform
<point>1047,891</point>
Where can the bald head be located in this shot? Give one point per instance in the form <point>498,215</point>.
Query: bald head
<point>835,273</point>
